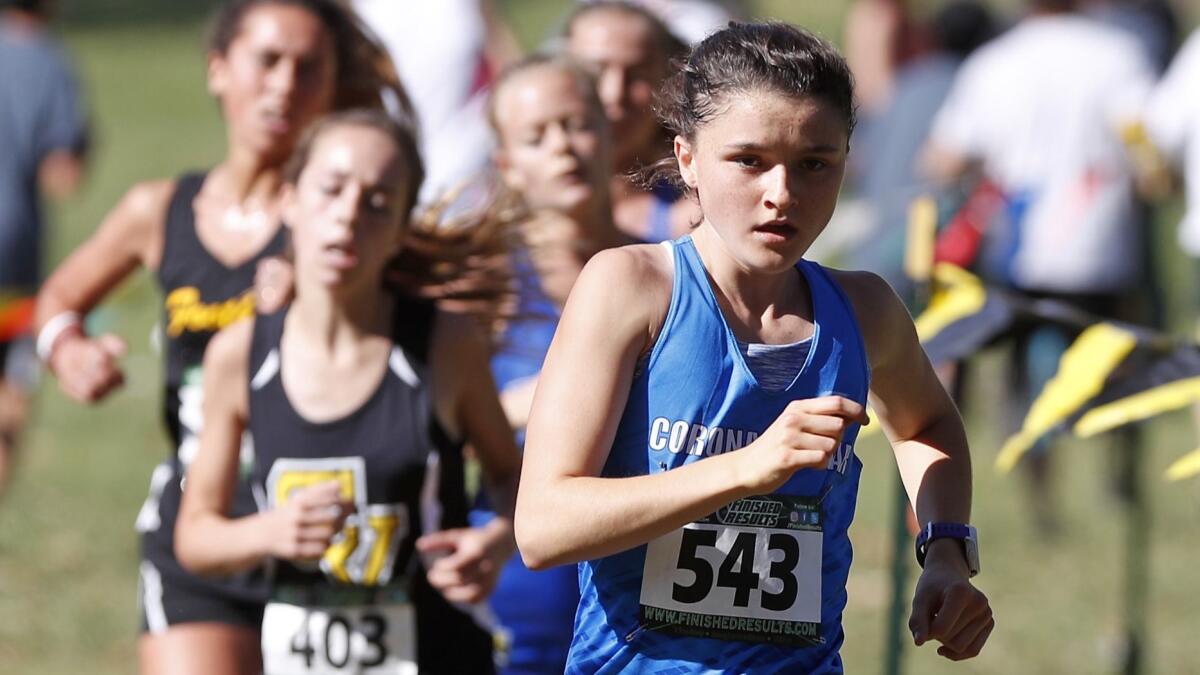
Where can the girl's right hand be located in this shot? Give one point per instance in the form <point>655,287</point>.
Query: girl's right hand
<point>303,528</point>
<point>87,368</point>
<point>804,436</point>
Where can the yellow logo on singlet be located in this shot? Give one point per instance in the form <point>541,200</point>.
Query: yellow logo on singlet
<point>185,312</point>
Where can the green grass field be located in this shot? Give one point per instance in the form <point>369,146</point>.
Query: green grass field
<point>67,547</point>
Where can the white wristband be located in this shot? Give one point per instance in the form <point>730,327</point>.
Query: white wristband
<point>54,329</point>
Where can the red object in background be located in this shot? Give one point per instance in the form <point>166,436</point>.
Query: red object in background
<point>958,243</point>
<point>16,318</point>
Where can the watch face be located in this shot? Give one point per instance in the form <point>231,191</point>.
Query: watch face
<point>971,546</point>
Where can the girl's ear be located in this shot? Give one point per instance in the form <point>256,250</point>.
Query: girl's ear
<point>687,162</point>
<point>218,74</point>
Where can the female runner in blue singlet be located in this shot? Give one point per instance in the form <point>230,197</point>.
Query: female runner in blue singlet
<point>554,154</point>
<point>691,442</point>
<point>351,433</point>
<point>274,66</point>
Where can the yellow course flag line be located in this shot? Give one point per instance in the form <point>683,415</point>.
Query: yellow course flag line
<point>960,294</point>
<point>922,236</point>
<point>1185,467</point>
<point>1081,374</point>
<point>1140,406</point>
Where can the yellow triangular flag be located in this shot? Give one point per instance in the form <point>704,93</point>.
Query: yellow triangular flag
<point>1185,467</point>
<point>1140,406</point>
<point>1082,371</point>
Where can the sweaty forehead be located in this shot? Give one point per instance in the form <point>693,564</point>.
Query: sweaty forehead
<point>612,34</point>
<point>284,28</point>
<point>774,121</point>
<point>540,93</point>
<point>364,152</point>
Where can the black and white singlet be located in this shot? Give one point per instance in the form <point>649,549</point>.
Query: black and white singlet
<point>367,604</point>
<point>201,295</point>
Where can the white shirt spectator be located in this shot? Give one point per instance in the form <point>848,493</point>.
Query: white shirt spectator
<point>1173,121</point>
<point>438,49</point>
<point>1042,107</point>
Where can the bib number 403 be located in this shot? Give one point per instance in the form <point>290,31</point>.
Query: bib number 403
<point>335,645</point>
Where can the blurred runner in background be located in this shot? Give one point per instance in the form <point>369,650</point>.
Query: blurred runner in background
<point>274,66</point>
<point>43,133</point>
<point>630,51</point>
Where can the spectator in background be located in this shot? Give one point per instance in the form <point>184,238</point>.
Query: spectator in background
<point>1039,111</point>
<point>446,53</point>
<point>43,137</point>
<point>889,148</point>
<point>1172,119</point>
<point>630,51</point>
<point>1153,23</point>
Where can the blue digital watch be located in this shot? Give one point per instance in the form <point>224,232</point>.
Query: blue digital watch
<point>966,533</point>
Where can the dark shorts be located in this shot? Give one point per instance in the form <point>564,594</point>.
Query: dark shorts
<point>169,595</point>
<point>19,364</point>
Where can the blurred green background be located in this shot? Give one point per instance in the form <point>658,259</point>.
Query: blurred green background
<point>67,546</point>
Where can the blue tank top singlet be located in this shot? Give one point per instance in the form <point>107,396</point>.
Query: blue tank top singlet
<point>534,609</point>
<point>760,585</point>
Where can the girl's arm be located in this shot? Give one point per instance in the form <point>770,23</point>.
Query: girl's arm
<point>465,395</point>
<point>565,512</point>
<point>130,236</point>
<point>207,541</point>
<point>930,445</point>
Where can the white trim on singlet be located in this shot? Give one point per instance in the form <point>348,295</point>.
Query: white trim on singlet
<point>152,598</point>
<point>267,371</point>
<point>399,364</point>
<point>149,518</point>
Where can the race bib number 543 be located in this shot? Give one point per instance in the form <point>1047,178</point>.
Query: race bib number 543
<point>751,571</point>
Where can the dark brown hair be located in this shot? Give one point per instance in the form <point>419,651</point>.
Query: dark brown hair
<point>744,58</point>
<point>366,77</point>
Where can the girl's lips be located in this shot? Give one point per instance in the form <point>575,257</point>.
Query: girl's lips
<point>341,259</point>
<point>776,231</point>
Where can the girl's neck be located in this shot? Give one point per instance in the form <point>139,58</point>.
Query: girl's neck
<point>332,321</point>
<point>752,295</point>
<point>249,177</point>
<point>594,218</point>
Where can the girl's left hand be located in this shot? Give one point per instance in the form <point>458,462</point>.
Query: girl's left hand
<point>948,608</point>
<point>464,563</point>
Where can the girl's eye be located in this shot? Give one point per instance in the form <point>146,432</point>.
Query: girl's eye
<point>330,189</point>
<point>815,164</point>
<point>378,201</point>
<point>748,162</point>
<point>268,59</point>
